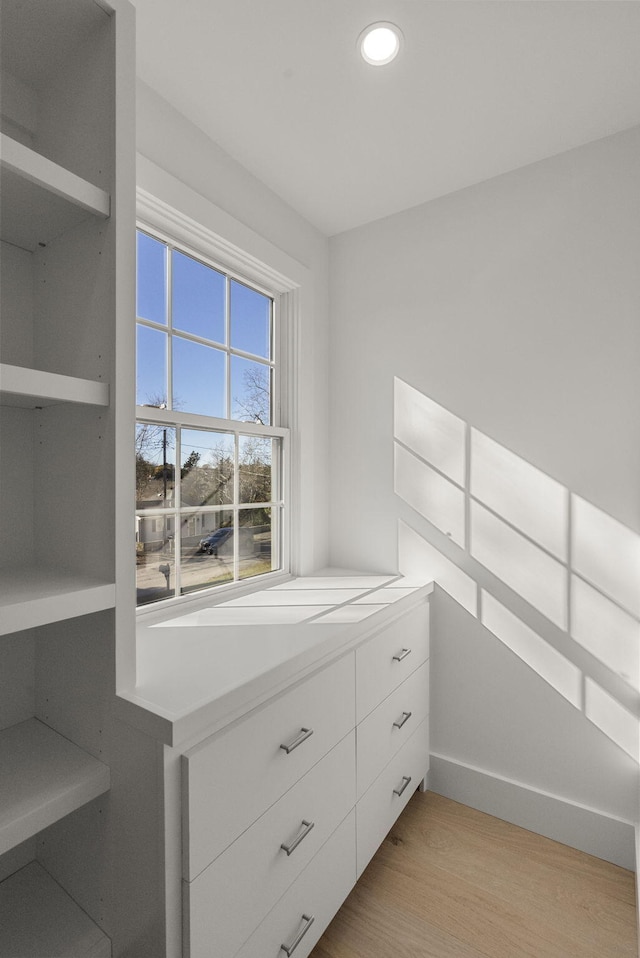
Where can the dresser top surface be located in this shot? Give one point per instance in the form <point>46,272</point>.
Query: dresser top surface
<point>197,667</point>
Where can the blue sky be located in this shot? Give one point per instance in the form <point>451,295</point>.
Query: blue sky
<point>198,307</point>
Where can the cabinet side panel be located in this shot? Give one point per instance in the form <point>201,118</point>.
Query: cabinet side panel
<point>137,864</point>
<point>17,664</point>
<point>74,302</point>
<point>75,679</point>
<point>123,214</point>
<point>74,851</point>
<point>73,494</point>
<point>16,487</point>
<point>75,126</point>
<point>18,109</point>
<point>16,306</point>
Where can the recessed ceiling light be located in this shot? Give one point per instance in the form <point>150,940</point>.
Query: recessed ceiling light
<point>379,43</point>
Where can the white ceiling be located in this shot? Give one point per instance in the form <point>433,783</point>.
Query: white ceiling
<point>481,87</point>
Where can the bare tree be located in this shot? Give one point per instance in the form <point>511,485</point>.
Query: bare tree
<point>255,404</point>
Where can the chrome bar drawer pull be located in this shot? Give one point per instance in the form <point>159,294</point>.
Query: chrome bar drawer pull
<point>302,736</point>
<point>405,782</point>
<point>306,828</point>
<point>401,655</point>
<point>405,718</point>
<point>289,949</point>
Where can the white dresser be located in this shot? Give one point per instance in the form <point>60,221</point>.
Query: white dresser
<point>280,788</point>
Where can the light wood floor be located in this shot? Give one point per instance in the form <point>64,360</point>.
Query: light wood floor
<point>451,882</point>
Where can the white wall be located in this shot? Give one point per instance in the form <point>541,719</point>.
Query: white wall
<point>258,218</point>
<point>512,305</point>
<point>507,312</point>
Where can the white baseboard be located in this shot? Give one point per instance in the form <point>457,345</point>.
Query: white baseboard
<point>572,824</point>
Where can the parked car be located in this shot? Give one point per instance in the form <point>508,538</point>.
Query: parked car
<point>213,540</point>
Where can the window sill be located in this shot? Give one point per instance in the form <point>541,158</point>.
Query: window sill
<point>166,609</point>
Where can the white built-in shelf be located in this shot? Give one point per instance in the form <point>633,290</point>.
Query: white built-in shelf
<point>40,199</point>
<point>39,920</point>
<point>35,595</point>
<point>34,388</point>
<point>43,777</point>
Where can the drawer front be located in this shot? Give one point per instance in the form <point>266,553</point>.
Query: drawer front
<point>389,657</point>
<point>316,894</point>
<point>379,807</point>
<point>390,725</point>
<point>224,904</point>
<point>233,777</point>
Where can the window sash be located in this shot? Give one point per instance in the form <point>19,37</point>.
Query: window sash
<point>279,349</point>
<point>175,417</point>
<point>273,364</point>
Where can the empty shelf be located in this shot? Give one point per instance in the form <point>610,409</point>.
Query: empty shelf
<point>34,595</point>
<point>39,920</point>
<point>31,388</point>
<point>43,777</point>
<point>40,199</point>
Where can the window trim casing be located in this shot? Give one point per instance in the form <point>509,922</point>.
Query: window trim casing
<point>178,229</point>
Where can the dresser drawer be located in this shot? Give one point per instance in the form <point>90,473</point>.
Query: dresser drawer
<point>225,903</point>
<point>317,894</point>
<point>379,807</point>
<point>389,657</point>
<point>390,725</point>
<point>233,777</point>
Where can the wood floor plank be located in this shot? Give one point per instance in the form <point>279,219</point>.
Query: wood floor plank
<point>387,931</point>
<point>472,824</point>
<point>512,874</point>
<point>452,882</point>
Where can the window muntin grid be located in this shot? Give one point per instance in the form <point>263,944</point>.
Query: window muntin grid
<point>182,524</point>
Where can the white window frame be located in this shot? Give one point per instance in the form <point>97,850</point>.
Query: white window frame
<point>177,229</point>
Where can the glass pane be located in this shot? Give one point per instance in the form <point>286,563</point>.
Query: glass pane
<point>155,563</point>
<point>207,468</point>
<point>151,286</point>
<point>256,459</point>
<point>206,549</point>
<point>197,298</point>
<point>250,391</point>
<point>151,366</point>
<point>254,542</point>
<point>155,466</point>
<point>250,320</point>
<point>198,378</point>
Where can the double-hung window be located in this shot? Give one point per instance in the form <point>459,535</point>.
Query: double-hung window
<point>210,451</point>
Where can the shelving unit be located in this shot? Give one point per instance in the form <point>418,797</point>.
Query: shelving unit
<point>41,199</point>
<point>34,389</point>
<point>35,596</point>
<point>47,778</point>
<point>66,242</point>
<point>38,918</point>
